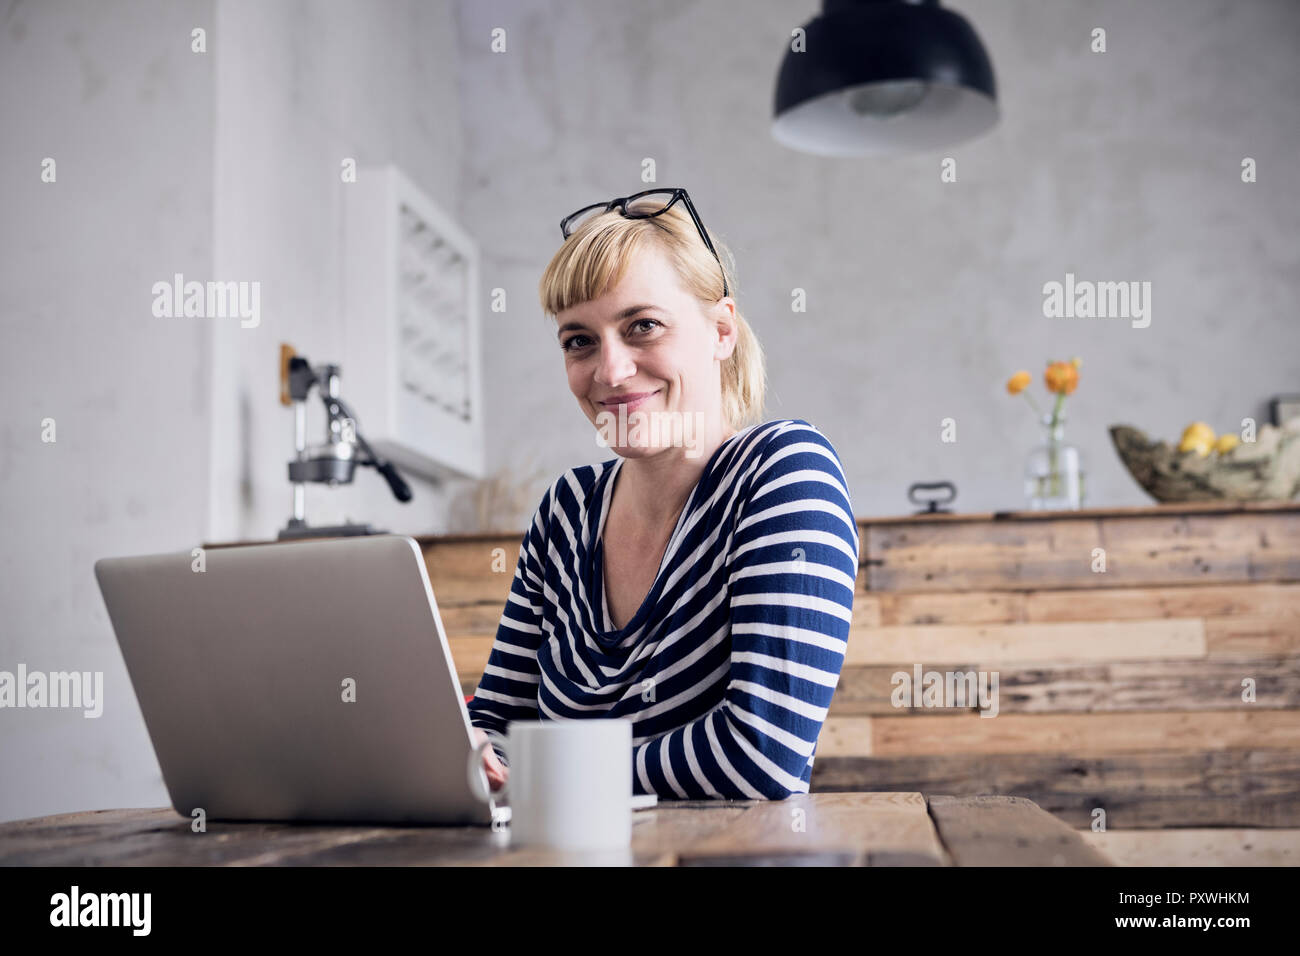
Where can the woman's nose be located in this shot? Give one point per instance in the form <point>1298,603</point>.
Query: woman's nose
<point>615,363</point>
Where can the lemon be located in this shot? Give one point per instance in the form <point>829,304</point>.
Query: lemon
<point>1197,437</point>
<point>1226,443</point>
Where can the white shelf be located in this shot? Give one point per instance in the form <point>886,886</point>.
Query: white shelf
<point>412,326</point>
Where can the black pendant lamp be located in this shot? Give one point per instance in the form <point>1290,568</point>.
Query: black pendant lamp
<point>884,76</point>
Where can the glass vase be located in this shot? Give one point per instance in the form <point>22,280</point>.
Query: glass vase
<point>1054,471</point>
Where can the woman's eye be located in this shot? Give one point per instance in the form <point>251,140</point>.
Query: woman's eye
<point>576,341</point>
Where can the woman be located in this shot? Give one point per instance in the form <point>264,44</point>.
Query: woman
<point>701,583</point>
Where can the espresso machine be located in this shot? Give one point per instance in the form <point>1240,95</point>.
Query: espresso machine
<point>334,461</point>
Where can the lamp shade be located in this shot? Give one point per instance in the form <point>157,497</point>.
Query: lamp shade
<point>884,76</point>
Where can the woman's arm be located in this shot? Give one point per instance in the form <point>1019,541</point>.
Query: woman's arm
<point>508,689</point>
<point>792,569</point>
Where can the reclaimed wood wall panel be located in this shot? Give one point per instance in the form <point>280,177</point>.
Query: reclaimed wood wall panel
<point>1069,640</point>
<point>1140,550</point>
<point>1092,735</point>
<point>1072,687</point>
<point>1267,601</point>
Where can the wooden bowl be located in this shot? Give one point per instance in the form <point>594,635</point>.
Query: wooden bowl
<point>1267,469</point>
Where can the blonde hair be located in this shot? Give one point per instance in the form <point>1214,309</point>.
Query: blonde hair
<point>596,256</point>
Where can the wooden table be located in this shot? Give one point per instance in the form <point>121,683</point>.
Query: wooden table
<point>818,829</point>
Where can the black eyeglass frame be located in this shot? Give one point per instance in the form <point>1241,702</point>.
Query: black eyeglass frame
<point>621,205</point>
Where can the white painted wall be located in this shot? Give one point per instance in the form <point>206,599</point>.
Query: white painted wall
<point>113,94</point>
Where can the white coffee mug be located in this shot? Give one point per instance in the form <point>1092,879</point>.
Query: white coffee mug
<point>570,782</point>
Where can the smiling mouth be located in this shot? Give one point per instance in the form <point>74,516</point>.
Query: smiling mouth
<point>631,401</point>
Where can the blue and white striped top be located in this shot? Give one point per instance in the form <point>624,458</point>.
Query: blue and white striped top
<point>728,667</point>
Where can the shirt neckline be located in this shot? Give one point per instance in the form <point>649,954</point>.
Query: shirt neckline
<point>597,552</point>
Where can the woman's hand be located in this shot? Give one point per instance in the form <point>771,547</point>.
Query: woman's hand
<point>497,772</point>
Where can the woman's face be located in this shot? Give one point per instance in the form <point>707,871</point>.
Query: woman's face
<point>648,337</point>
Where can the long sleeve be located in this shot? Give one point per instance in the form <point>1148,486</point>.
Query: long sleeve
<point>791,575</point>
<point>508,688</point>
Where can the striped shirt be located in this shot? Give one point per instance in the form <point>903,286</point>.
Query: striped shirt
<point>728,667</point>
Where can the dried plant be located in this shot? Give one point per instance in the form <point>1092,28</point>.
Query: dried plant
<point>501,502</point>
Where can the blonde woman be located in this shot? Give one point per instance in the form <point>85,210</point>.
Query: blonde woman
<point>700,583</point>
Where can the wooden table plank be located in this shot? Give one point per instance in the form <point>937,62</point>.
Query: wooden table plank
<point>825,829</point>
<point>161,837</point>
<point>1197,847</point>
<point>657,835</point>
<point>1008,831</point>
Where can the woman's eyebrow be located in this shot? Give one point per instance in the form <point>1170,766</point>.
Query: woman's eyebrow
<point>625,314</point>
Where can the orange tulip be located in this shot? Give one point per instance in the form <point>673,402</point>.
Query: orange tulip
<point>1062,377</point>
<point>1018,383</point>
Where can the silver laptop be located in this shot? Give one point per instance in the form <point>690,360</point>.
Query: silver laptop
<point>306,680</point>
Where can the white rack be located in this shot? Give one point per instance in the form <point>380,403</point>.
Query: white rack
<point>412,326</point>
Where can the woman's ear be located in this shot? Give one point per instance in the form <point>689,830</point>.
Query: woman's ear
<point>726,328</point>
